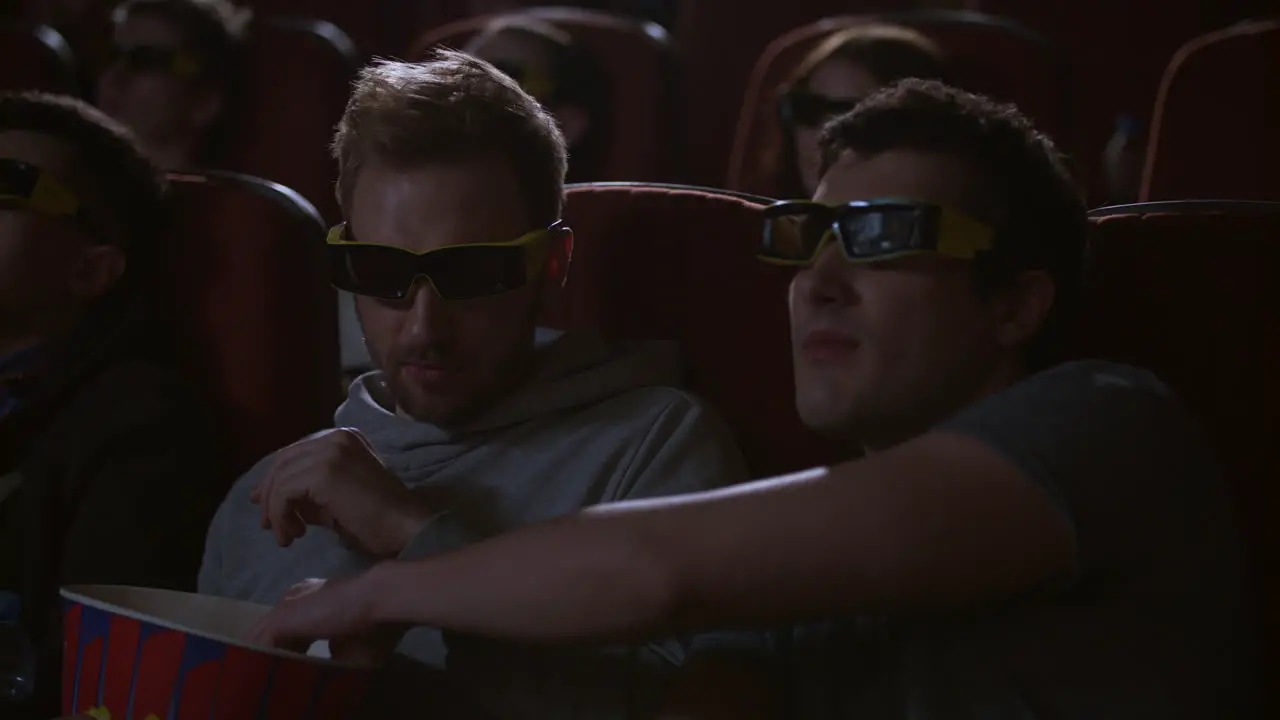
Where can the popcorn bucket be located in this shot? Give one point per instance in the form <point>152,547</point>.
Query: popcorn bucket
<point>141,654</point>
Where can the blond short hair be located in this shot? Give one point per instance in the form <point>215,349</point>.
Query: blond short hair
<point>450,108</point>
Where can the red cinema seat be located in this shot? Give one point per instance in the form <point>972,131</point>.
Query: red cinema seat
<point>1187,290</point>
<point>1216,117</point>
<point>676,262</point>
<point>298,77</point>
<point>246,279</point>
<point>637,59</point>
<point>36,58</point>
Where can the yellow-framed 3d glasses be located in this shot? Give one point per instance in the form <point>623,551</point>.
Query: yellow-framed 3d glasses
<point>532,80</point>
<point>457,272</point>
<point>796,231</point>
<point>156,58</point>
<point>31,188</point>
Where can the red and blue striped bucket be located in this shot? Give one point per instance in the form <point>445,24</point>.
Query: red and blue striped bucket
<point>142,654</point>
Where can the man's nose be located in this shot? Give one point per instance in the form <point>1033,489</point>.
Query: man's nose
<point>829,280</point>
<point>428,313</point>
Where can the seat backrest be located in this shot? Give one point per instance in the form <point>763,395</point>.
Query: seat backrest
<point>1187,289</point>
<point>246,280</point>
<point>636,57</point>
<point>36,58</point>
<point>1214,129</point>
<point>676,262</point>
<point>358,20</point>
<point>296,81</point>
<point>987,54</point>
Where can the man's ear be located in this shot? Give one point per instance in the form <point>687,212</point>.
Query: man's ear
<point>556,269</point>
<point>98,270</point>
<point>208,106</point>
<point>1025,307</point>
<point>560,257</point>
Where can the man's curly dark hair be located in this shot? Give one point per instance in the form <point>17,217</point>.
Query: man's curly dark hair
<point>1028,194</point>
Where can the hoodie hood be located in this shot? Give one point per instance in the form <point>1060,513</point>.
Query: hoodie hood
<point>574,369</point>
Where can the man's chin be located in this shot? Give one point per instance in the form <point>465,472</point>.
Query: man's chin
<point>416,403</point>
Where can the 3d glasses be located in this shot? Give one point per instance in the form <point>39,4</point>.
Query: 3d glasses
<point>795,232</point>
<point>156,59</point>
<point>801,108</point>
<point>457,272</point>
<point>27,186</point>
<point>538,84</point>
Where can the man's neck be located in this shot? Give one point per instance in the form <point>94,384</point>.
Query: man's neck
<point>1002,377</point>
<point>171,155</point>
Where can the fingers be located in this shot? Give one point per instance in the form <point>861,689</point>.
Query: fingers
<point>293,493</point>
<point>291,509</point>
<point>364,444</point>
<point>285,496</point>
<point>300,449</point>
<point>282,457</point>
<point>357,651</point>
<point>304,588</point>
<point>278,629</point>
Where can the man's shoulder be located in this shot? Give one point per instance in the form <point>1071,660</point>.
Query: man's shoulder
<point>1103,375</point>
<point>654,400</point>
<point>132,390</point>
<point>1099,392</point>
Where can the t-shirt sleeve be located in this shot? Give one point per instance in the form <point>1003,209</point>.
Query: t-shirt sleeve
<point>1109,445</point>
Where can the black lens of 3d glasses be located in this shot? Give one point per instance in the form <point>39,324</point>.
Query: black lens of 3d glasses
<point>17,178</point>
<point>457,273</point>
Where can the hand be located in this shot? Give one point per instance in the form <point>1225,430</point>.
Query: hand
<point>340,611</point>
<point>334,479</point>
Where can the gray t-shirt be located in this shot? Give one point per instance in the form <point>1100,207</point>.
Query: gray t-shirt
<point>1155,624</point>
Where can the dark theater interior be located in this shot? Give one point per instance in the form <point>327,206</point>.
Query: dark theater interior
<point>675,359</point>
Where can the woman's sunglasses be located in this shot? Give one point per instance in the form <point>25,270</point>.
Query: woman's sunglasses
<point>801,108</point>
<point>155,59</point>
<point>538,84</point>
<point>457,272</point>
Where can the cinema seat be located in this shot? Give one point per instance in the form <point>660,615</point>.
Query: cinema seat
<point>677,262</point>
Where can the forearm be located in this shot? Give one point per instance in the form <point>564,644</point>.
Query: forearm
<point>625,571</point>
<point>942,521</point>
<point>539,585</point>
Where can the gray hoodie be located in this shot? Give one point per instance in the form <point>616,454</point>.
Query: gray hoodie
<point>596,423</point>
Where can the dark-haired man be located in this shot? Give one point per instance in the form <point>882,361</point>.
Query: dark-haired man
<point>1025,538</point>
<point>104,470</point>
<point>170,72</point>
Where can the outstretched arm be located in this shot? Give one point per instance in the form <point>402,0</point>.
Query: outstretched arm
<point>942,520</point>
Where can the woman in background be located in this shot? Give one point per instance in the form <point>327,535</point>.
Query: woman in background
<point>846,67</point>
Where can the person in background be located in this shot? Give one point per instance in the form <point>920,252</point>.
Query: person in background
<point>1123,161</point>
<point>105,465</point>
<point>562,76</point>
<point>451,181</point>
<point>845,68</point>
<point>171,74</point>
<point>1025,537</point>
